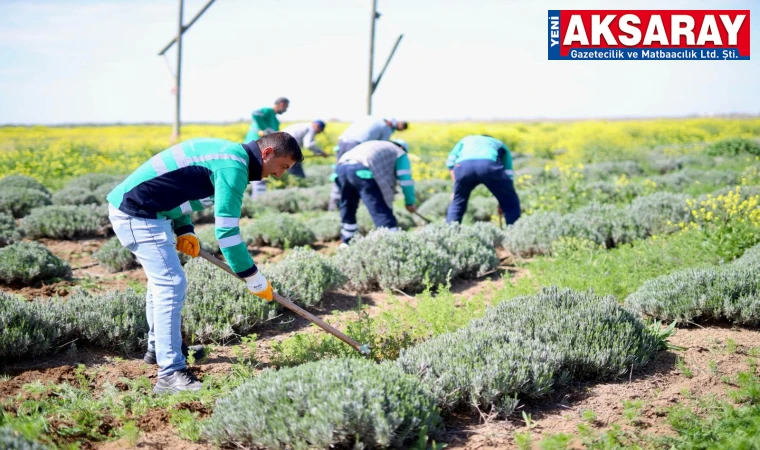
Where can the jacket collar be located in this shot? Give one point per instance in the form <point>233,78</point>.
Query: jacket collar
<point>255,163</point>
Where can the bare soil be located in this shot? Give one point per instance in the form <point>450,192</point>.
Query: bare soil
<point>659,385</point>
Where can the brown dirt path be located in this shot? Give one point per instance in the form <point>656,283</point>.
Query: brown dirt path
<point>659,386</point>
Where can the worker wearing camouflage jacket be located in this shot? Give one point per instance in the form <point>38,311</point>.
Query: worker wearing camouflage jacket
<point>155,202</point>
<point>480,159</point>
<point>263,122</point>
<point>369,173</point>
<point>305,134</point>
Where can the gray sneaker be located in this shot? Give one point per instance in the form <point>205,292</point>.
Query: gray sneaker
<point>181,380</point>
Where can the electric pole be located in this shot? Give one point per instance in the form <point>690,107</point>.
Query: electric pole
<point>178,76</point>
<point>180,30</point>
<point>373,83</point>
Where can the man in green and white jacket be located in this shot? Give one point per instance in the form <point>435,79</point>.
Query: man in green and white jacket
<point>263,122</point>
<point>155,202</point>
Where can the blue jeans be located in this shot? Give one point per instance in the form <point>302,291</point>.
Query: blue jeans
<point>343,147</point>
<point>469,174</point>
<point>354,188</point>
<point>152,242</point>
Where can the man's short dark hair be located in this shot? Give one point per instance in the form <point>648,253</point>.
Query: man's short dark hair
<point>283,145</point>
<point>281,100</point>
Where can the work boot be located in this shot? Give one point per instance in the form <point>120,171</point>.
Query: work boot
<point>198,353</point>
<point>181,380</point>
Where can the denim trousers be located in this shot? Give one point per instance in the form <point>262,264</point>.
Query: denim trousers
<point>354,188</point>
<point>152,242</point>
<point>469,174</point>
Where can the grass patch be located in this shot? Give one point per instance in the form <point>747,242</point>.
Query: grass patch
<point>618,271</point>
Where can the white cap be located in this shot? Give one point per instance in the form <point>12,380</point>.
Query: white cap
<point>401,143</point>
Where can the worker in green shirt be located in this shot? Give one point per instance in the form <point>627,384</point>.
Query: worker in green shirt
<point>154,204</point>
<point>480,159</point>
<point>264,121</point>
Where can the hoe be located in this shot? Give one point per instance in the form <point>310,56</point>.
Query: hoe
<point>363,349</point>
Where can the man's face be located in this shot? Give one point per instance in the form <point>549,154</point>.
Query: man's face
<point>317,128</point>
<point>401,126</point>
<point>274,165</point>
<point>280,108</point>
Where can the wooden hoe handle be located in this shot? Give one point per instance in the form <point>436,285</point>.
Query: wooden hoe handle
<point>363,349</point>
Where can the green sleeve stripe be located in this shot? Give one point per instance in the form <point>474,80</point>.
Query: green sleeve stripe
<point>238,257</point>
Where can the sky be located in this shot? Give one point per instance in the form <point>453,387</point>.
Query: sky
<point>95,61</point>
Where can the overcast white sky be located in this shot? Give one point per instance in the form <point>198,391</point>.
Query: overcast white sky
<point>65,61</point>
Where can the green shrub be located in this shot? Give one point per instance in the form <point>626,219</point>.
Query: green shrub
<point>277,230</point>
<point>425,189</point>
<point>65,222</point>
<point>653,212</point>
<point>115,257</point>
<point>113,320</point>
<point>733,147</point>
<point>489,231</point>
<point>678,181</point>
<point>250,208</point>
<point>207,238</point>
<point>436,206</point>
<point>13,440</point>
<point>744,192</point>
<point>527,345</point>
<point>319,175</point>
<point>611,192</point>
<point>611,169</point>
<point>392,260</point>
<point>404,219</point>
<point>325,404</point>
<point>281,200</point>
<point>218,307</point>
<point>93,181</point>
<point>727,292</point>
<point>22,181</point>
<point>25,263</point>
<point>77,196</point>
<point>304,276</point>
<point>8,232</point>
<point>326,227</point>
<point>27,328</point>
<point>90,189</point>
<point>581,265</point>
<point>601,224</point>
<point>205,215</point>
<point>471,253</point>
<point>482,208</point>
<point>19,201</point>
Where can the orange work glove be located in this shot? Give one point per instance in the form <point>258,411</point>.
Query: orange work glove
<point>188,244</point>
<point>260,286</point>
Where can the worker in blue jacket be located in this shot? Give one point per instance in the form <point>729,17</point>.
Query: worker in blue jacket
<point>482,159</point>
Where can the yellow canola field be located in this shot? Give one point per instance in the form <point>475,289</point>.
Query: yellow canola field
<point>55,154</point>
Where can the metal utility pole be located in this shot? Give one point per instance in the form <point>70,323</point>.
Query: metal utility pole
<point>371,86</point>
<point>178,40</point>
<point>373,83</point>
<point>180,30</point>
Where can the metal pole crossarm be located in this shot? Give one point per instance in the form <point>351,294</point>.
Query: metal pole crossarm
<point>380,76</point>
<point>187,27</point>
